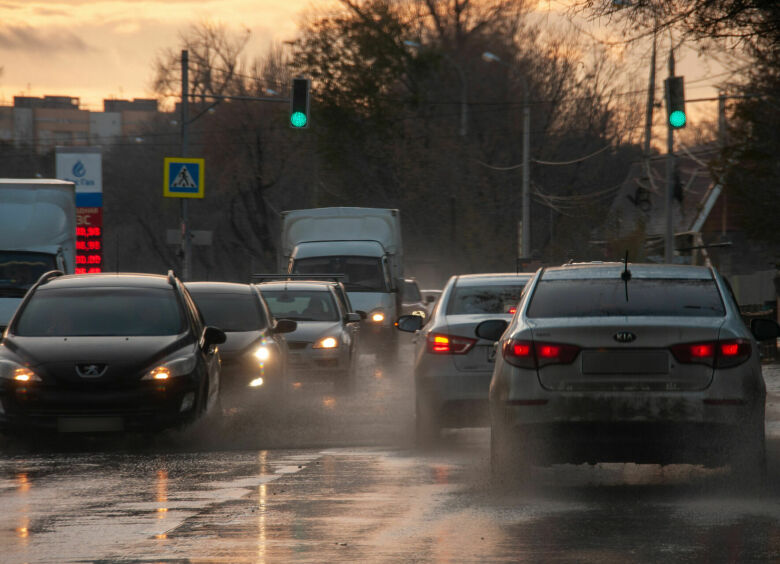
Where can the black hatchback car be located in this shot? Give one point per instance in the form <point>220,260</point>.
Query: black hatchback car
<point>254,356</point>
<point>107,352</point>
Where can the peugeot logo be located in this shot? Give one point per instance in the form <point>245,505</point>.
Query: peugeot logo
<point>91,370</point>
<point>624,336</point>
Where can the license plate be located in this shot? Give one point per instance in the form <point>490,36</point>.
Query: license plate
<point>491,354</point>
<point>90,424</point>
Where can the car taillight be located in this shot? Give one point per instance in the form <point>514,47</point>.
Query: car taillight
<point>528,354</point>
<point>719,354</point>
<point>449,344</point>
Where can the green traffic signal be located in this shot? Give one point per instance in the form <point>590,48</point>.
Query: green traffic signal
<point>298,119</point>
<point>677,119</point>
<point>299,103</point>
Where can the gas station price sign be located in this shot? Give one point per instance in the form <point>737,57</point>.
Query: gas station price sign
<point>89,240</point>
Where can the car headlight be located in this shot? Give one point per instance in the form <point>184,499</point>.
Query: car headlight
<point>377,316</point>
<point>262,353</point>
<point>172,368</point>
<point>14,371</point>
<point>326,343</point>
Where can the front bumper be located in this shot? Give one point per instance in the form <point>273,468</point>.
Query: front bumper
<point>318,362</point>
<point>149,406</point>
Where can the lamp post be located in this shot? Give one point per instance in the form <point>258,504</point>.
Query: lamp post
<point>463,87</point>
<point>489,57</point>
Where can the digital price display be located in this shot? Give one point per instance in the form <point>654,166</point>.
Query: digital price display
<point>89,240</point>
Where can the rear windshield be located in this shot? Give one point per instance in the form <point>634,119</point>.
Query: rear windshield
<point>101,312</point>
<point>230,312</point>
<point>605,298</point>
<point>301,305</point>
<point>484,299</point>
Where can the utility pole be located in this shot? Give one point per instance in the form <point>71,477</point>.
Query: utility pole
<point>650,101</point>
<point>526,173</point>
<point>722,146</point>
<point>186,243</point>
<point>669,232</point>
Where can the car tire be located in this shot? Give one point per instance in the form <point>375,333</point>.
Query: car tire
<point>345,379</point>
<point>508,463</point>
<point>748,461</point>
<point>427,422</point>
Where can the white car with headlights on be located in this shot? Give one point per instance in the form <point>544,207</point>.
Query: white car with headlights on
<point>452,367</point>
<point>254,356</point>
<point>324,343</point>
<point>613,362</point>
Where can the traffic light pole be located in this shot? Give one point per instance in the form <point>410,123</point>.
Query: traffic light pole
<point>186,242</point>
<point>669,232</point>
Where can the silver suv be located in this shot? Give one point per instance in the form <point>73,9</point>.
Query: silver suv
<point>618,362</point>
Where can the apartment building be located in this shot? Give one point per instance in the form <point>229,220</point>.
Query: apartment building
<point>46,122</point>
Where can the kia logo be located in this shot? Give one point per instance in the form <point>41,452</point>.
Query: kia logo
<point>91,370</point>
<point>79,169</point>
<point>624,336</point>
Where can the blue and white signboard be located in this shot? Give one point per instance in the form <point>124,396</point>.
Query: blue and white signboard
<point>83,167</point>
<point>184,178</point>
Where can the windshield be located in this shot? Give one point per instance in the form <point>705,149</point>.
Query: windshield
<point>484,299</point>
<point>19,270</point>
<point>230,312</point>
<point>640,296</point>
<point>301,305</point>
<point>101,312</point>
<point>411,293</point>
<point>361,274</point>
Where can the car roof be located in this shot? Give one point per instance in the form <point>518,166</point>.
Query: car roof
<point>218,287</point>
<point>292,286</point>
<point>108,280</point>
<point>638,270</point>
<point>494,279</point>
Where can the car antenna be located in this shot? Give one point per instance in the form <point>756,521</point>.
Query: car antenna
<point>626,274</point>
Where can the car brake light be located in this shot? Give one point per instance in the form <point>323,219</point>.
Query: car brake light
<point>512,310</point>
<point>720,354</point>
<point>449,344</point>
<point>527,354</point>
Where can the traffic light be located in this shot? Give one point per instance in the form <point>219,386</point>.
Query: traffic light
<point>675,101</point>
<point>299,103</point>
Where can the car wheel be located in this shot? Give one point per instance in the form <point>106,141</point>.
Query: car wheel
<point>508,463</point>
<point>345,379</point>
<point>427,423</point>
<point>748,462</point>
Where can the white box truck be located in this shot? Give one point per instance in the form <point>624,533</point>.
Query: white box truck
<point>363,245</point>
<point>37,234</point>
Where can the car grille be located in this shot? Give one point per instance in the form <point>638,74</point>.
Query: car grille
<point>296,345</point>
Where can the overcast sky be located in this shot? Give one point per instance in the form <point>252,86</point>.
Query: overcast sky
<point>96,49</point>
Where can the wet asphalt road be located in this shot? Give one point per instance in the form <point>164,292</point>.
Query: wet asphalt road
<point>332,477</point>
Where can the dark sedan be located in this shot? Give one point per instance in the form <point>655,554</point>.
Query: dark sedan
<point>107,352</point>
<point>254,356</point>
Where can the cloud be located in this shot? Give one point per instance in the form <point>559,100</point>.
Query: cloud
<point>26,38</point>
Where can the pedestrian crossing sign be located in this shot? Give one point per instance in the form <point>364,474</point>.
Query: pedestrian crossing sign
<point>184,178</point>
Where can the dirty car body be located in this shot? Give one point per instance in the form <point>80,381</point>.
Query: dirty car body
<point>639,363</point>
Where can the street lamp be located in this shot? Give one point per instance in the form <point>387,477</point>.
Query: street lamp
<point>489,57</point>
<point>463,87</point>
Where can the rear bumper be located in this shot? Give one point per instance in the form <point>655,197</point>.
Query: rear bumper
<point>459,398</point>
<point>148,407</point>
<point>639,442</point>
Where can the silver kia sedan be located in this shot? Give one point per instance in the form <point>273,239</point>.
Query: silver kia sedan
<point>452,367</point>
<point>613,362</point>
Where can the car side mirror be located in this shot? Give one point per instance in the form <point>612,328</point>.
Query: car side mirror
<point>212,336</point>
<point>410,323</point>
<point>764,329</point>
<point>362,314</point>
<point>429,299</point>
<point>353,317</point>
<point>491,330</point>
<point>285,326</point>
